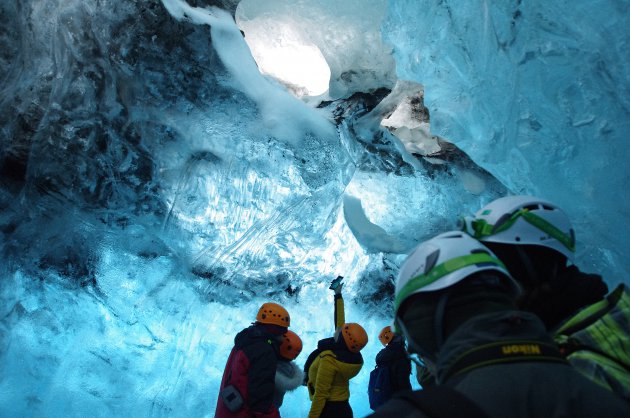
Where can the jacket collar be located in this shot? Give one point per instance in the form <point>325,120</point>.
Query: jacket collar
<point>288,376</point>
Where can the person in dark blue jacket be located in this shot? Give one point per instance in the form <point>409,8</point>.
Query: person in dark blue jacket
<point>392,371</point>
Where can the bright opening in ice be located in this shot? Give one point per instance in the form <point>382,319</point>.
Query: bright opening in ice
<point>281,51</point>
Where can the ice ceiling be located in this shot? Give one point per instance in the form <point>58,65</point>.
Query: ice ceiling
<point>165,167</point>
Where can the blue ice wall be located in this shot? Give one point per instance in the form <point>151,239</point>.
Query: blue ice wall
<point>536,92</point>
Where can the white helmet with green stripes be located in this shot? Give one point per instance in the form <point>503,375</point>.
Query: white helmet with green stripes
<point>444,261</point>
<point>523,220</point>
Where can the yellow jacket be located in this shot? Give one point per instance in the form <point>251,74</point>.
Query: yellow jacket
<point>329,380</point>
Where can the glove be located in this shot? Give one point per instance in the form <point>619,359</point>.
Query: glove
<point>338,289</point>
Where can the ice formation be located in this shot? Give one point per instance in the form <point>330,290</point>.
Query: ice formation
<point>537,93</point>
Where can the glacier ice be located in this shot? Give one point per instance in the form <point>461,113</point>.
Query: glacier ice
<point>536,93</point>
<point>350,42</point>
<point>156,187</point>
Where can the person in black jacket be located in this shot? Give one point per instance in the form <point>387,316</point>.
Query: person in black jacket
<point>394,356</point>
<point>393,367</point>
<point>248,384</point>
<point>535,239</point>
<point>455,304</point>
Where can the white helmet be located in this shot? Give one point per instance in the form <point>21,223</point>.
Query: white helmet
<point>444,261</point>
<point>523,220</point>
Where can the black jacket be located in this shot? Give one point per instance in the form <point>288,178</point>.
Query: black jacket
<point>395,357</point>
<point>523,389</point>
<point>251,368</point>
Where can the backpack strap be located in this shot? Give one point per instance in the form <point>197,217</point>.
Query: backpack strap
<point>442,401</point>
<point>592,313</point>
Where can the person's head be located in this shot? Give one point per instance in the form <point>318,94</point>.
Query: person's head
<point>352,335</point>
<point>386,335</point>
<point>274,318</point>
<point>291,346</point>
<point>444,282</point>
<point>533,237</point>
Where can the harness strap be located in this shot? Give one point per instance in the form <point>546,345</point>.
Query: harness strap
<point>442,401</point>
<point>505,352</point>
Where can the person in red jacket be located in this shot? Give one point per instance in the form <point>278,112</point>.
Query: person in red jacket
<point>247,387</point>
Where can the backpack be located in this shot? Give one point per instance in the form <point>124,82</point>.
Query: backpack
<point>596,341</point>
<point>322,345</point>
<point>311,358</point>
<point>380,386</point>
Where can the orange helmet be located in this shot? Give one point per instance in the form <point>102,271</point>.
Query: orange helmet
<point>354,336</point>
<point>386,335</point>
<point>291,345</point>
<point>272,313</point>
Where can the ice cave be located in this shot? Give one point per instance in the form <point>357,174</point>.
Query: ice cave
<point>167,166</point>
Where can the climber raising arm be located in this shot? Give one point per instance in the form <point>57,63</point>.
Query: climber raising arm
<point>340,316</point>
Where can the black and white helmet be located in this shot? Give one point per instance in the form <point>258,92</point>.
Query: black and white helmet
<point>523,220</point>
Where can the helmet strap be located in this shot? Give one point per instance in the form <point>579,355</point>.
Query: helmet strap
<point>532,275</point>
<point>439,319</point>
<point>412,345</point>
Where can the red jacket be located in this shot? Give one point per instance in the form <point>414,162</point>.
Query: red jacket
<point>251,368</point>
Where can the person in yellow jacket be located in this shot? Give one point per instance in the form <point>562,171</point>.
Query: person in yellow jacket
<point>335,361</point>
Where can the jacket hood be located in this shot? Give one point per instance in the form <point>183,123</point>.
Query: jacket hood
<point>252,335</point>
<point>288,376</point>
<point>327,344</point>
<point>341,350</point>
